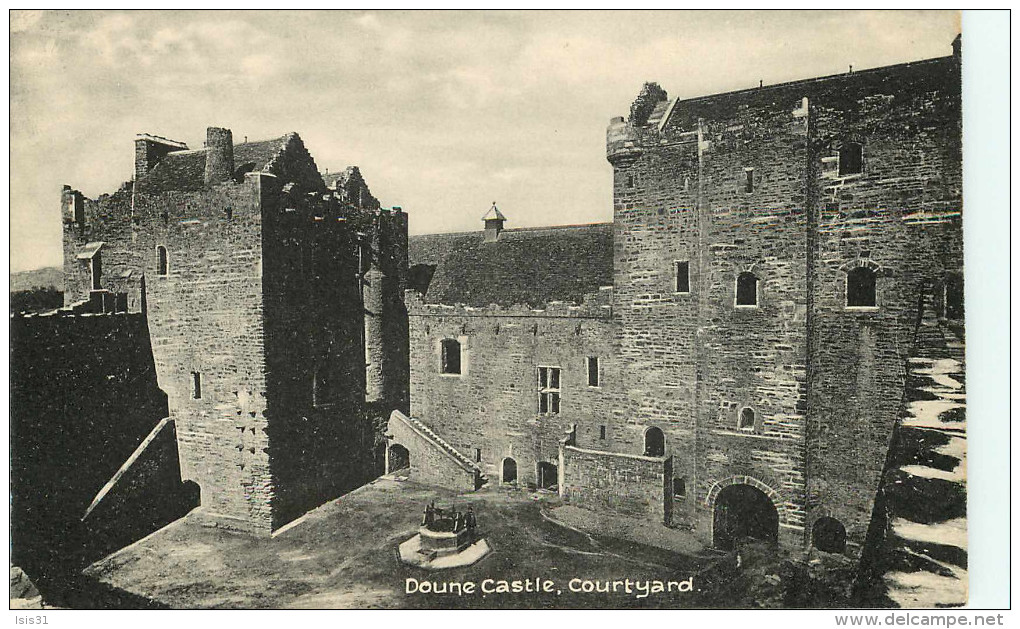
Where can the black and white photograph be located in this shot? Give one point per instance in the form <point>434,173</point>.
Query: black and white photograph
<point>348,310</point>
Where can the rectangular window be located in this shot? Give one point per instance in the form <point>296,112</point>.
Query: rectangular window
<point>851,159</point>
<point>478,455</point>
<point>748,180</point>
<point>196,385</point>
<point>602,432</point>
<point>683,276</point>
<point>549,390</point>
<point>593,371</point>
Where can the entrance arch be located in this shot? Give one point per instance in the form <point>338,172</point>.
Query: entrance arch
<point>509,471</point>
<point>548,477</point>
<point>743,511</point>
<point>655,442</point>
<point>828,535</point>
<point>397,458</point>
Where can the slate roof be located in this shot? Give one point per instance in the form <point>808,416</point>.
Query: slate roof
<point>185,170</point>
<point>530,266</point>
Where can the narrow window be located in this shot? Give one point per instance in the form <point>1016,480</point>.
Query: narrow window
<point>954,296</point>
<point>451,356</point>
<point>747,419</point>
<point>322,389</point>
<point>96,268</point>
<point>747,289</point>
<point>478,455</point>
<point>593,371</point>
<point>683,277</point>
<point>851,159</point>
<point>748,180</point>
<point>166,218</point>
<point>860,287</point>
<point>549,390</point>
<point>162,264</point>
<point>196,385</point>
<point>679,488</point>
<point>602,433</point>
<point>229,213</point>
<point>630,181</point>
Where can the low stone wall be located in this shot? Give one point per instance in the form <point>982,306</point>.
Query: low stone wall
<point>431,463</point>
<point>629,484</point>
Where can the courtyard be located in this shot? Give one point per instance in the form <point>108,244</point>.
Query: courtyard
<point>343,555</point>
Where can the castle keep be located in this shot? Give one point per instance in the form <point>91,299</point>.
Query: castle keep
<point>273,297</point>
<point>729,354</point>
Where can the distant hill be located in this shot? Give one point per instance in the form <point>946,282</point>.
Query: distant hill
<point>50,277</point>
<point>37,291</point>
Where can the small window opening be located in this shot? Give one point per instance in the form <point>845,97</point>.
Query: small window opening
<point>655,442</point>
<point>166,218</point>
<point>229,213</point>
<point>851,159</point>
<point>451,356</point>
<point>162,264</point>
<point>549,390</point>
<point>630,181</point>
<point>196,385</point>
<point>602,433</point>
<point>683,277</point>
<point>860,287</point>
<point>747,419</point>
<point>322,386</point>
<point>478,455</point>
<point>593,371</point>
<point>679,488</point>
<point>748,180</point>
<point>747,289</point>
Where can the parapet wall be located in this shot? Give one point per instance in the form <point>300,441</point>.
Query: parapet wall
<point>628,484</point>
<point>83,398</point>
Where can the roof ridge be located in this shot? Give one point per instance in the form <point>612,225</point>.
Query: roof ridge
<point>518,229</point>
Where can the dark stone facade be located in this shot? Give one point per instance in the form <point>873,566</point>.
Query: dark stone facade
<point>790,187</point>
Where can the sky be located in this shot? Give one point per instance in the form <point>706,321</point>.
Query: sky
<point>444,112</point>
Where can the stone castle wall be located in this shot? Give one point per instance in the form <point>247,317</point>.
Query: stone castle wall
<point>628,484</point>
<point>493,404</point>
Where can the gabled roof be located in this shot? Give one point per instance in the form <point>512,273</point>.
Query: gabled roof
<point>531,266</point>
<point>185,170</point>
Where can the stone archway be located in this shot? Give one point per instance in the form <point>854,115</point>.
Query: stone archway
<point>548,477</point>
<point>828,535</point>
<point>397,458</point>
<point>509,471</point>
<point>740,511</point>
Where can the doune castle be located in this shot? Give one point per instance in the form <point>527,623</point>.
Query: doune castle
<point>727,356</point>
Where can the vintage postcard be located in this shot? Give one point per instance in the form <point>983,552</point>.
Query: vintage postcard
<point>442,310</point>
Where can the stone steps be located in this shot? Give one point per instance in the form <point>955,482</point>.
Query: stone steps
<point>441,443</point>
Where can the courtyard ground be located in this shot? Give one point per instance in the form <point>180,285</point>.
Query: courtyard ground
<point>343,555</point>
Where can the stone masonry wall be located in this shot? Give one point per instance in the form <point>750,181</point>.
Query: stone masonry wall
<point>631,485</point>
<point>493,404</point>
<point>206,317</point>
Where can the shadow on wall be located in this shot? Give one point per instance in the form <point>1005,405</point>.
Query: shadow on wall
<point>94,461</point>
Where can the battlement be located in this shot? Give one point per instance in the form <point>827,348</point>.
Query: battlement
<point>597,305</point>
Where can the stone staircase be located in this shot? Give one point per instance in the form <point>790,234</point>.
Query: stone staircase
<point>924,553</point>
<point>435,440</point>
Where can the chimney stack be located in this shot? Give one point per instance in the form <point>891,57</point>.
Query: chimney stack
<point>219,159</point>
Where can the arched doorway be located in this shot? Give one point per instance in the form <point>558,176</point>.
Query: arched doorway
<point>828,535</point>
<point>547,475</point>
<point>655,442</point>
<point>743,511</point>
<point>399,458</point>
<point>509,470</point>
